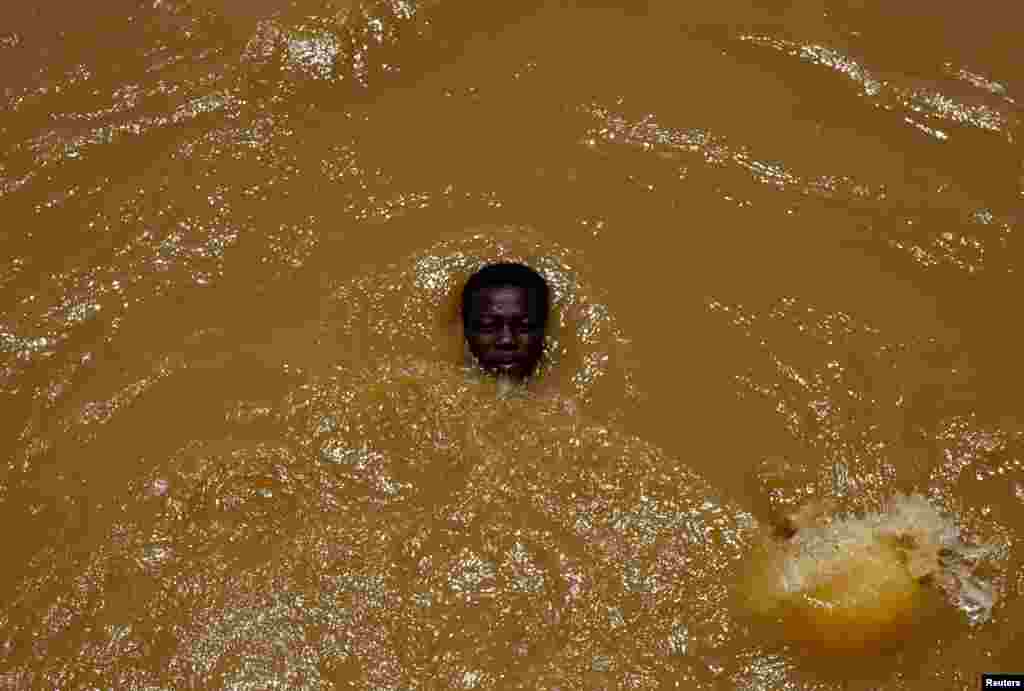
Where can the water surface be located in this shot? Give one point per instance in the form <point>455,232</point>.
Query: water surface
<point>240,448</point>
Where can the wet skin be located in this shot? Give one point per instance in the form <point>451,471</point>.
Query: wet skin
<point>504,331</point>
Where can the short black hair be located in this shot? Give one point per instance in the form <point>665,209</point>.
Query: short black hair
<point>507,274</point>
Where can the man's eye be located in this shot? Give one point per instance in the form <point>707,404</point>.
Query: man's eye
<point>516,327</point>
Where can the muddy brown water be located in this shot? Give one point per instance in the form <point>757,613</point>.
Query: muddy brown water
<point>240,448</point>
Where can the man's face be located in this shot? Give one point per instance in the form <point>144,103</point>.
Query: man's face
<point>504,331</point>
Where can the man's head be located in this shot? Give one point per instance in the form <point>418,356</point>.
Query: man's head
<point>504,314</point>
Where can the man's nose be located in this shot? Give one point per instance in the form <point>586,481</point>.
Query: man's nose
<point>505,336</point>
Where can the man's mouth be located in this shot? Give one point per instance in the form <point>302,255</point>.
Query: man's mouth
<point>504,365</point>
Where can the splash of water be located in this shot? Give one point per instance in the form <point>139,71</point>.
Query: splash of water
<point>842,580</point>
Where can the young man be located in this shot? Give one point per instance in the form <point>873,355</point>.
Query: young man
<point>505,309</point>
